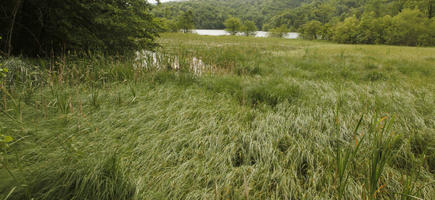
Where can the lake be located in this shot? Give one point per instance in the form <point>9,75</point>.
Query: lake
<point>213,32</point>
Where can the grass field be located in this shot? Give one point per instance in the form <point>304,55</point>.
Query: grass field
<point>263,118</point>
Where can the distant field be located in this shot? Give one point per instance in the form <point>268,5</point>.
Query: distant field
<point>240,118</point>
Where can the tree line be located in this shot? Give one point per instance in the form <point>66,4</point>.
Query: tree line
<point>410,27</point>
<point>212,14</point>
<point>398,22</point>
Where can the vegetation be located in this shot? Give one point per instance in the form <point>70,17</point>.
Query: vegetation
<point>311,30</point>
<point>221,118</point>
<point>233,25</point>
<point>280,31</point>
<point>249,28</point>
<point>185,21</point>
<point>211,14</point>
<point>407,28</point>
<point>44,28</point>
<point>393,22</point>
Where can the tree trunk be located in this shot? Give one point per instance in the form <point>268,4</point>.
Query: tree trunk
<point>11,30</point>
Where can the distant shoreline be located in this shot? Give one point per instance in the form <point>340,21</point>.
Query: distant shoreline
<point>221,32</point>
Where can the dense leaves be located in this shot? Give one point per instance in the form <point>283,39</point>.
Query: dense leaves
<point>46,27</point>
<point>409,27</point>
<point>211,14</point>
<point>311,30</point>
<point>249,28</point>
<point>396,22</point>
<point>185,21</point>
<point>233,25</point>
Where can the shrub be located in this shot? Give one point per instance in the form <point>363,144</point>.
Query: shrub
<point>407,28</point>
<point>347,31</point>
<point>232,25</point>
<point>311,30</point>
<point>279,31</point>
<point>249,28</point>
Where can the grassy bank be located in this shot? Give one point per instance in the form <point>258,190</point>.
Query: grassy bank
<point>264,118</point>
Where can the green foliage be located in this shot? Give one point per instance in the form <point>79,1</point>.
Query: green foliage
<point>409,27</point>
<point>211,14</point>
<point>347,31</point>
<point>185,21</point>
<point>233,25</point>
<point>167,25</point>
<point>280,31</point>
<point>311,30</point>
<point>43,28</point>
<point>344,21</point>
<point>4,139</point>
<point>249,28</point>
<point>370,30</point>
<point>3,72</point>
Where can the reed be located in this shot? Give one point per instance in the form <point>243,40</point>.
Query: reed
<point>222,118</point>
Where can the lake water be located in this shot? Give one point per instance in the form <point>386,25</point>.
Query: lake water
<point>212,32</point>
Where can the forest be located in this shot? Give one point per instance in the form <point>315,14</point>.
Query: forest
<point>396,22</point>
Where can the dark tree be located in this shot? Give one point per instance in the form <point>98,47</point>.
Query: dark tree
<point>185,21</point>
<point>45,27</point>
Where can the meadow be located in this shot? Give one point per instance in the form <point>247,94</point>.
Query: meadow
<point>262,118</point>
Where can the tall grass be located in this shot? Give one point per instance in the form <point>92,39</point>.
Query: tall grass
<point>264,119</point>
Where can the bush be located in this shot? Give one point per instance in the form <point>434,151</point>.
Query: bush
<point>249,28</point>
<point>408,28</point>
<point>311,30</point>
<point>279,31</point>
<point>368,29</point>
<point>347,31</point>
<point>232,25</point>
<point>167,25</point>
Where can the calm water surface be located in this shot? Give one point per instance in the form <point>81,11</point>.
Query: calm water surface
<point>212,32</point>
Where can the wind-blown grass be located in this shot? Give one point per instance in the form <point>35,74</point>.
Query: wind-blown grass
<point>274,119</point>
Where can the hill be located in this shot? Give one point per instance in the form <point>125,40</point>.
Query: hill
<point>210,14</point>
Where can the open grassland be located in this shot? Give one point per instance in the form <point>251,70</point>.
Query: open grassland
<point>265,118</point>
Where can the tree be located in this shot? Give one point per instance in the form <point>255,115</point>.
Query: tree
<point>185,21</point>
<point>369,29</point>
<point>347,31</point>
<point>408,28</point>
<point>166,25</point>
<point>44,27</point>
<point>280,31</point>
<point>311,30</point>
<point>232,25</point>
<point>249,28</point>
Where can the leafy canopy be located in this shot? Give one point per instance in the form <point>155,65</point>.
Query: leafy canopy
<point>233,25</point>
<point>44,27</point>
